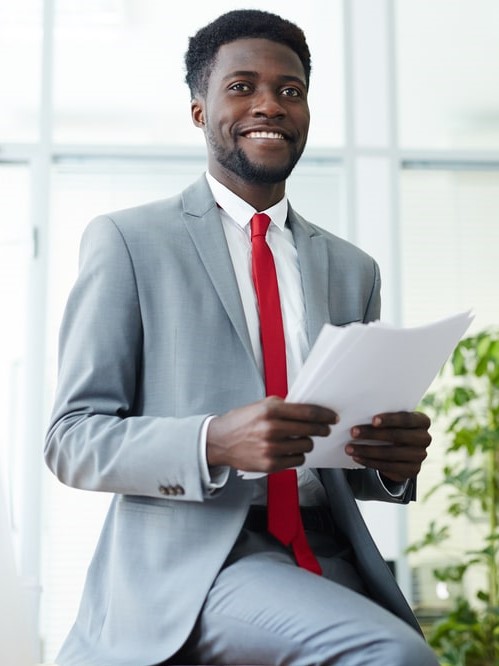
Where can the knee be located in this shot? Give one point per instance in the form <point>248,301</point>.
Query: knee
<point>387,647</point>
<point>409,650</point>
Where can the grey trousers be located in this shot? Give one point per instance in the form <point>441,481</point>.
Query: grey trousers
<point>263,609</point>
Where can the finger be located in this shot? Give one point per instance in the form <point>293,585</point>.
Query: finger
<point>375,458</point>
<point>415,437</point>
<point>279,428</point>
<point>291,447</point>
<point>286,462</point>
<point>286,453</point>
<point>395,471</point>
<point>282,447</point>
<point>411,420</point>
<point>277,408</point>
<point>282,431</point>
<point>404,462</point>
<point>387,453</point>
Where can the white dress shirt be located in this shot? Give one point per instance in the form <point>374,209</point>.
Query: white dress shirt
<point>236,215</point>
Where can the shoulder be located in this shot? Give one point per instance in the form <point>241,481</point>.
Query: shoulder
<point>127,220</point>
<point>155,215</point>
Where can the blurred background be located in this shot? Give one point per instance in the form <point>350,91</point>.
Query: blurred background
<point>403,160</point>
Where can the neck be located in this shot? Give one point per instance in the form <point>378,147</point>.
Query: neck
<point>259,195</point>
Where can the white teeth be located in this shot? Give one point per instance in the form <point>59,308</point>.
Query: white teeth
<point>265,135</point>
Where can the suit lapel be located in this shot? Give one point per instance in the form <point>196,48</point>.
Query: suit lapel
<point>314,268</point>
<point>202,221</point>
<point>204,226</point>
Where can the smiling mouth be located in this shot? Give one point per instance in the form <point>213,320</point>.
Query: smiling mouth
<point>265,135</point>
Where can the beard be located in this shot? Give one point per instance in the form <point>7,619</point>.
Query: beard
<point>238,163</point>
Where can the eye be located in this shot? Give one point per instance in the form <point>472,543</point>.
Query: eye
<point>291,92</point>
<point>240,87</point>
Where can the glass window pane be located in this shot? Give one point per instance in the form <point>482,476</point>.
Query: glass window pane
<point>20,69</point>
<point>119,69</point>
<point>450,237</point>
<point>15,246</point>
<point>448,69</point>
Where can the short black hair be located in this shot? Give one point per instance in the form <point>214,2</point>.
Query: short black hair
<point>239,24</point>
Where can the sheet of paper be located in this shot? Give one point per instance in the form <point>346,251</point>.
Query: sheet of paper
<point>361,370</point>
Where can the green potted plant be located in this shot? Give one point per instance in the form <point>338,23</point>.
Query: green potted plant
<point>466,404</point>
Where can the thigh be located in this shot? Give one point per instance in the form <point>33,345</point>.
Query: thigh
<point>263,609</point>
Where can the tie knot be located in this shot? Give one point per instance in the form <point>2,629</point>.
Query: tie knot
<point>259,224</point>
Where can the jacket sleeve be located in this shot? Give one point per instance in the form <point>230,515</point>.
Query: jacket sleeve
<point>97,439</point>
<point>373,308</point>
<point>366,485</point>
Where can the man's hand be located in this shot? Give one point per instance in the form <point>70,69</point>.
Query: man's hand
<point>404,437</point>
<point>266,436</point>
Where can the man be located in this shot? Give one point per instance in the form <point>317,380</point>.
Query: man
<point>164,366</point>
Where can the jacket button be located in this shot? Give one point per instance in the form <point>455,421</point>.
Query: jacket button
<point>171,490</point>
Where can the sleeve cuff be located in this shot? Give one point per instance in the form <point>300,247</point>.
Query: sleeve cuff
<point>394,489</point>
<point>212,478</point>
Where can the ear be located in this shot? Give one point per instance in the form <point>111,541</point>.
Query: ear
<point>197,112</point>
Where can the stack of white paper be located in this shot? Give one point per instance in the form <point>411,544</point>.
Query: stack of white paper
<point>361,370</point>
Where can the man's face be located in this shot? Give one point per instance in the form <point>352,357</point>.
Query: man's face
<point>255,114</point>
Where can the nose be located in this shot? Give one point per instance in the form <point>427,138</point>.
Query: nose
<point>268,103</point>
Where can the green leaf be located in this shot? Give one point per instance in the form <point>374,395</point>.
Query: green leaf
<point>453,573</point>
<point>481,367</point>
<point>483,596</point>
<point>458,361</point>
<point>433,537</point>
<point>494,351</point>
<point>483,346</point>
<point>463,395</point>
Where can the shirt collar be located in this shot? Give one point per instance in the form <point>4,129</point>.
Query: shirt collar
<point>241,211</point>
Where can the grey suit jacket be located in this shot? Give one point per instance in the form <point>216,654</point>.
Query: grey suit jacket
<point>153,340</point>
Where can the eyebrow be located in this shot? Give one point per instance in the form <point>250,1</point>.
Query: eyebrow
<point>253,75</point>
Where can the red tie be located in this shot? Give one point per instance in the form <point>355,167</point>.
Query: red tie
<point>284,519</point>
